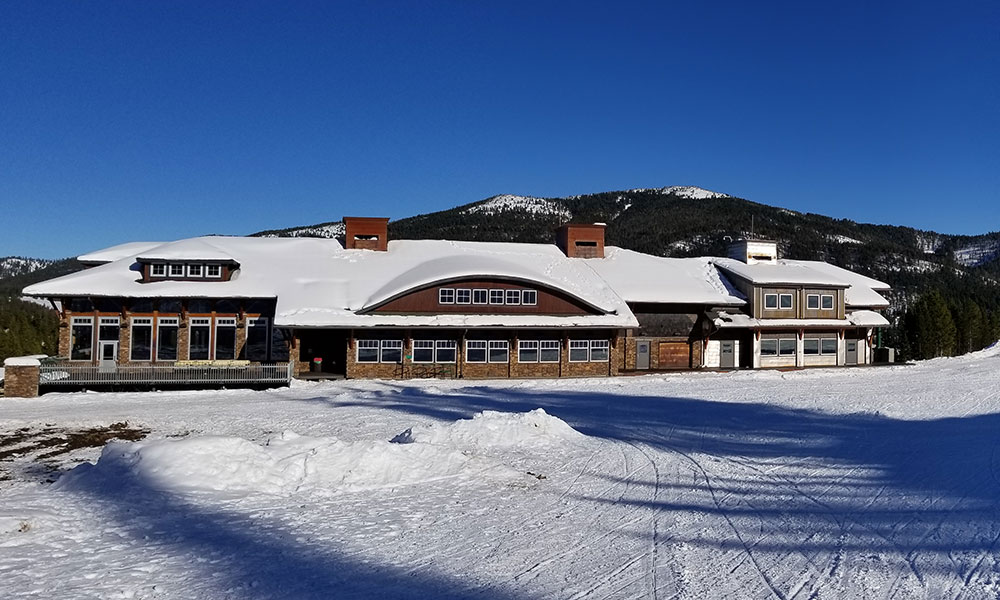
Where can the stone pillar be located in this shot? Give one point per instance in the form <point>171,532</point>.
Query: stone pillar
<point>21,377</point>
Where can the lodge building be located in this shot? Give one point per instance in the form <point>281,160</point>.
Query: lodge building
<point>368,307</point>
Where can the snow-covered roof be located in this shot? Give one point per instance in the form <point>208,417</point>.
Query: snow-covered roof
<point>641,277</point>
<point>203,248</point>
<point>861,290</point>
<point>116,252</point>
<point>860,318</point>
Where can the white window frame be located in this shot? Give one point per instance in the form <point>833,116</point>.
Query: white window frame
<point>836,346</point>
<point>463,292</point>
<point>775,296</point>
<point>423,345</point>
<point>200,322</point>
<point>477,345</point>
<point>165,322</point>
<point>523,345</point>
<point>497,296</point>
<point>210,268</point>
<point>498,345</point>
<point>600,345</point>
<point>833,302</point>
<point>819,347</point>
<point>367,345</point>
<point>390,345</point>
<point>768,341</point>
<point>510,295</point>
<point>172,266</point>
<point>534,297</point>
<point>142,322</point>
<point>791,301</point>
<point>446,296</point>
<point>809,300</point>
<point>93,335</point>
<point>153,273</point>
<point>794,347</point>
<point>578,345</point>
<point>484,293</point>
<point>447,345</point>
<point>549,345</point>
<point>200,271</point>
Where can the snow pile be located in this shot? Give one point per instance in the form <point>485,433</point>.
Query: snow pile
<point>507,202</point>
<point>290,464</point>
<point>491,429</point>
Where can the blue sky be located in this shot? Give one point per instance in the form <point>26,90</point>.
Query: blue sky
<point>148,121</point>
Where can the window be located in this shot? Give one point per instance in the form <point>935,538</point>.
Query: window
<point>168,306</point>
<point>810,347</point>
<point>256,346</point>
<point>827,302</point>
<point>819,346</point>
<point>549,351</point>
<point>829,345</point>
<point>446,296</point>
<point>447,350</point>
<point>480,296</point>
<point>199,336</point>
<point>108,330</point>
<point>225,339</point>
<point>194,270</point>
<point>786,347</point>
<point>166,338</point>
<point>496,296</point>
<point>177,270</point>
<point>499,351</point>
<point>141,339</point>
<point>367,351</point>
<point>158,270</point>
<point>475,351</point>
<point>770,301</point>
<point>529,297</point>
<point>579,350</point>
<point>527,351</point>
<point>423,351</point>
<point>213,271</point>
<point>812,301</point>
<point>81,338</point>
<point>513,297</point>
<point>600,350</point>
<point>786,301</point>
<point>392,351</point>
<point>768,348</point>
<point>463,296</point>
<point>279,345</point>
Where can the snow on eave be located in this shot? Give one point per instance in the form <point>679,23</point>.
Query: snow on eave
<point>189,249</point>
<point>113,253</point>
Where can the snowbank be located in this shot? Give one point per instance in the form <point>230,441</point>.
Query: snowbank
<point>287,465</point>
<point>491,429</point>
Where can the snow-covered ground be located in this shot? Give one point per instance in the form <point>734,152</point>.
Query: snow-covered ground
<point>863,483</point>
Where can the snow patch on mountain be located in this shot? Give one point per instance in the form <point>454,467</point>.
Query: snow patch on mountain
<point>685,191</point>
<point>977,254</point>
<point>329,231</point>
<point>12,266</point>
<point>843,239</point>
<point>507,202</point>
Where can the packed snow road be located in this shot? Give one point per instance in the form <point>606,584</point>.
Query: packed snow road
<point>865,483</point>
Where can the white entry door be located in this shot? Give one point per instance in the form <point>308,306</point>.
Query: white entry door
<point>108,353</point>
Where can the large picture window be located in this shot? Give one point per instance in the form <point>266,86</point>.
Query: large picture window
<point>109,329</point>
<point>548,351</point>
<point>434,351</point>
<point>447,351</point>
<point>527,351</point>
<point>256,346</point>
<point>423,351</point>
<point>141,339</point>
<point>82,338</point>
<point>199,337</point>
<point>166,338</point>
<point>225,339</point>
<point>392,351</point>
<point>499,351</point>
<point>579,350</point>
<point>368,351</point>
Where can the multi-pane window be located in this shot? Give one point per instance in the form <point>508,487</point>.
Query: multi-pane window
<point>440,351</point>
<point>166,338</point>
<point>827,302</point>
<point>225,338</point>
<point>579,350</point>
<point>392,351</point>
<point>548,351</point>
<point>446,296</point>
<point>81,338</point>
<point>141,339</point>
<point>447,351</point>
<point>475,351</point>
<point>499,351</point>
<point>529,297</point>
<point>194,270</point>
<point>819,346</point>
<point>213,271</point>
<point>527,351</point>
<point>480,296</point>
<point>496,296</point>
<point>512,297</point>
<point>463,296</point>
<point>368,351</point>
<point>785,301</point>
<point>770,301</point>
<point>600,350</point>
<point>199,337</point>
<point>423,351</point>
<point>158,270</point>
<point>772,347</point>
<point>176,270</point>
<point>108,329</point>
<point>256,345</point>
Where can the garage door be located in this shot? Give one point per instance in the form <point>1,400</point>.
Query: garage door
<point>674,355</point>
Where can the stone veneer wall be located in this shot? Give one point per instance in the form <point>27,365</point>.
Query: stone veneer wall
<point>21,381</point>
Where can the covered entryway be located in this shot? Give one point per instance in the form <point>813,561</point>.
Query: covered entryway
<point>328,345</point>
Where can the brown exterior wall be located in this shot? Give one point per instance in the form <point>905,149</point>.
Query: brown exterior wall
<point>21,382</point>
<point>365,227</point>
<point>425,301</point>
<point>592,236</point>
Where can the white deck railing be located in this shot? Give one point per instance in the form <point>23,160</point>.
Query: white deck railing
<point>70,374</point>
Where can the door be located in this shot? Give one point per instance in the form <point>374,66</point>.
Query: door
<point>108,354</point>
<point>642,355</point>
<point>727,360</point>
<point>674,355</point>
<point>852,352</point>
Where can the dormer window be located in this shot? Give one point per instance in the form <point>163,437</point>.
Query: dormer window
<point>189,270</point>
<point>158,270</point>
<point>213,271</point>
<point>176,270</point>
<point>194,270</point>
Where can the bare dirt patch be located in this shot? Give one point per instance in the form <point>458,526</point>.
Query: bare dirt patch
<point>40,445</point>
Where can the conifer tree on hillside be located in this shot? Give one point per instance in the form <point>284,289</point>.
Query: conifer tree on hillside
<point>933,331</point>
